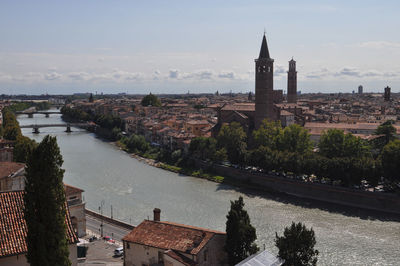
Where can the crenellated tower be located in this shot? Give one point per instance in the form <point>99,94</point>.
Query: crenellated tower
<point>292,82</point>
<point>264,85</point>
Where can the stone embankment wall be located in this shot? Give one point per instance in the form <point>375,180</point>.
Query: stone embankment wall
<point>384,202</point>
<point>109,220</point>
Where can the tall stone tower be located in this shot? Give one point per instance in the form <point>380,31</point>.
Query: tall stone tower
<point>264,85</point>
<point>360,89</point>
<point>387,94</point>
<point>292,82</point>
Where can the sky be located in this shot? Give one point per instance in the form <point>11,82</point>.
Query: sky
<point>64,47</point>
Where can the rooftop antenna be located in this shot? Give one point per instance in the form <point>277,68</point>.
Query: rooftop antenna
<point>265,31</point>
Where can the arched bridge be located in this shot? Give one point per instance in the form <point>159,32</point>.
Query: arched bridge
<point>31,113</point>
<point>67,126</point>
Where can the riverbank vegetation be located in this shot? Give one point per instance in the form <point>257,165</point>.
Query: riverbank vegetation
<point>10,130</point>
<point>21,106</point>
<point>339,158</point>
<point>111,126</point>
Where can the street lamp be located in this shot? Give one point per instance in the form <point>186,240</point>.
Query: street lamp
<point>101,215</point>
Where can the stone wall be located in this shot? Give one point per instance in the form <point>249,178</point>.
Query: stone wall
<point>384,202</point>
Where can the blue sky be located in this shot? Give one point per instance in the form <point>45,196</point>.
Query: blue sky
<point>200,46</point>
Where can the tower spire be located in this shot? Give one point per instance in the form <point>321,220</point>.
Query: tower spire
<point>264,53</point>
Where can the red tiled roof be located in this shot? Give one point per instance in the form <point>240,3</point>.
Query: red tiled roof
<point>167,235</point>
<point>240,107</point>
<point>8,168</point>
<point>13,228</point>
<point>69,190</point>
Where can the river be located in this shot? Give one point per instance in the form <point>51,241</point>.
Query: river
<point>134,189</point>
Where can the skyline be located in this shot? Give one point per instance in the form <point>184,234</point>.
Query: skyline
<point>178,46</point>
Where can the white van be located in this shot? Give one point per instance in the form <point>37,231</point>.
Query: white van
<point>119,251</point>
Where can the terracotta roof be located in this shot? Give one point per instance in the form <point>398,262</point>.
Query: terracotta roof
<point>69,190</point>
<point>167,235</point>
<point>178,257</point>
<point>8,168</point>
<point>240,107</point>
<point>13,228</point>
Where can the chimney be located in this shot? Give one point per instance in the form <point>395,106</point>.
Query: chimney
<point>156,213</point>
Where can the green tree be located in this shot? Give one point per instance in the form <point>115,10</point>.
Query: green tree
<point>334,143</point>
<point>295,139</point>
<point>151,100</point>
<point>233,138</point>
<point>23,148</point>
<point>296,246</point>
<point>390,158</point>
<point>240,234</point>
<point>386,132</point>
<point>203,148</point>
<point>268,134</point>
<point>45,207</point>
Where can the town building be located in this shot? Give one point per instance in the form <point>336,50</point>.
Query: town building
<point>13,231</point>
<point>165,243</point>
<point>6,150</point>
<point>250,115</point>
<point>76,207</point>
<point>12,176</point>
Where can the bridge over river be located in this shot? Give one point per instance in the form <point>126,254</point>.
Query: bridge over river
<point>31,113</point>
<point>68,126</point>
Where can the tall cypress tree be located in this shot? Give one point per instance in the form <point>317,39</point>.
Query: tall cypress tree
<point>45,208</point>
<point>240,234</point>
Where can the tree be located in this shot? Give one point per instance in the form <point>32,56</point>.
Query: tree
<point>334,143</point>
<point>240,234</point>
<point>151,100</point>
<point>45,207</point>
<point>23,148</point>
<point>233,138</point>
<point>296,246</point>
<point>268,134</point>
<point>295,139</point>
<point>390,158</point>
<point>91,98</point>
<point>203,148</point>
<point>386,133</point>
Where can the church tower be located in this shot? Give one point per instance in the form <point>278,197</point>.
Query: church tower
<point>292,82</point>
<point>264,85</point>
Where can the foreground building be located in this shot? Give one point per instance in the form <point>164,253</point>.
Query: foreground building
<point>170,244</point>
<point>12,176</point>
<point>13,231</point>
<point>76,207</point>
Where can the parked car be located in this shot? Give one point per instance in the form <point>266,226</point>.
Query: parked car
<point>92,238</point>
<point>119,251</point>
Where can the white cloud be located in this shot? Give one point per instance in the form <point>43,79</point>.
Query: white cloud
<point>173,74</point>
<point>227,75</point>
<point>52,76</point>
<point>379,44</point>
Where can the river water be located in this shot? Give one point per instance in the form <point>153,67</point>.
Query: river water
<point>134,189</point>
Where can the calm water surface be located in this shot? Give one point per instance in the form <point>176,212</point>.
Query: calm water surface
<point>133,189</point>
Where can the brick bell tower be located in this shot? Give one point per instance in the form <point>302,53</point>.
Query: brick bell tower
<point>292,82</point>
<point>264,85</point>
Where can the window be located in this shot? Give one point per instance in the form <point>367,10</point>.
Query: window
<point>205,255</point>
<point>128,246</point>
